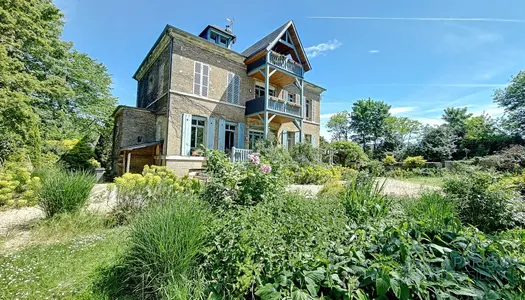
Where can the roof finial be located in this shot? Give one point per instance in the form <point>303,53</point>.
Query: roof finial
<point>229,28</point>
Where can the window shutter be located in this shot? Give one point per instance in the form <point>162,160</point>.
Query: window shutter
<point>229,90</point>
<point>205,80</point>
<point>197,78</point>
<point>284,139</point>
<point>297,98</point>
<point>285,95</point>
<point>312,109</point>
<point>240,135</point>
<point>186,135</point>
<point>210,136</point>
<point>313,140</point>
<point>297,133</point>
<point>236,89</point>
<point>222,129</point>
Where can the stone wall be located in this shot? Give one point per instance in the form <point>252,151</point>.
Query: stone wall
<point>155,82</point>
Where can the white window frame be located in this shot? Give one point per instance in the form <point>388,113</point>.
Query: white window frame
<point>253,133</point>
<point>198,118</point>
<point>227,128</point>
<point>308,103</point>
<point>201,79</point>
<point>272,89</point>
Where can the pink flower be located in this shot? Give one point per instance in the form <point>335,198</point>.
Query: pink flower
<point>254,158</point>
<point>266,168</point>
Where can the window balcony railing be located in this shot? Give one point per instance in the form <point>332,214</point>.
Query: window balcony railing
<point>274,104</point>
<point>285,63</point>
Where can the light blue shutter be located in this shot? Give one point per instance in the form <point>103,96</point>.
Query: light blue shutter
<point>210,136</point>
<point>222,128</point>
<point>186,135</point>
<point>205,80</point>
<point>229,90</point>
<point>313,140</point>
<point>240,136</point>
<point>297,133</point>
<point>284,139</point>
<point>197,84</point>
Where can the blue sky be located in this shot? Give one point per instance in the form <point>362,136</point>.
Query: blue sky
<point>418,56</point>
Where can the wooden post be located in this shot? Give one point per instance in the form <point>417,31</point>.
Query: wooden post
<point>301,93</point>
<point>128,162</point>
<point>124,162</point>
<point>266,94</point>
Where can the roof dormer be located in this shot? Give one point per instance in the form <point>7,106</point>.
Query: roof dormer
<point>219,36</point>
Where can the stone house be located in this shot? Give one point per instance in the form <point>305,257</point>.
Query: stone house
<point>195,91</point>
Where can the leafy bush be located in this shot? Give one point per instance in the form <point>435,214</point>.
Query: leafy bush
<point>480,200</point>
<point>414,162</point>
<point>333,188</point>
<point>374,167</point>
<point>80,155</point>
<point>135,191</point>
<point>63,191</point>
<point>348,154</point>
<point>273,154</point>
<point>242,183</point>
<point>389,160</point>
<point>363,198</point>
<point>304,153</point>
<point>164,243</point>
<point>508,160</point>
<point>17,187</point>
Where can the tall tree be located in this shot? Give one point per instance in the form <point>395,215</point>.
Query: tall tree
<point>512,99</point>
<point>368,119</point>
<point>438,142</point>
<point>339,126</point>
<point>46,90</point>
<point>456,118</point>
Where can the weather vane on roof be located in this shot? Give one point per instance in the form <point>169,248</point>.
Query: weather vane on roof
<point>230,27</point>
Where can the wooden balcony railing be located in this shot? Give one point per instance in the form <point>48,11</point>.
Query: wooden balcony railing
<point>285,63</point>
<point>274,104</point>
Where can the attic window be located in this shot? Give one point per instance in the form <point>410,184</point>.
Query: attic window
<point>218,39</point>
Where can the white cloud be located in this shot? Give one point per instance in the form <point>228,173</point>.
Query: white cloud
<point>373,51</point>
<point>321,48</point>
<point>400,110</point>
<point>425,19</point>
<point>327,116</point>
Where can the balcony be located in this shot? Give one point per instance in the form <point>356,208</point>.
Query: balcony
<point>285,63</point>
<point>275,105</point>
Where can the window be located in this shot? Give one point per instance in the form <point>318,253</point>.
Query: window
<point>259,91</point>
<point>234,88</point>
<point>198,125</point>
<point>201,79</point>
<point>291,97</point>
<point>291,140</point>
<point>308,138</point>
<point>229,135</point>
<point>222,40</point>
<point>254,136</point>
<point>308,109</point>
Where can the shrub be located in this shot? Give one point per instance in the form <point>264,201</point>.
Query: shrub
<point>242,183</point>
<point>274,155</point>
<point>80,155</point>
<point>164,242</point>
<point>348,154</point>
<point>304,153</point>
<point>63,191</point>
<point>135,191</point>
<point>17,187</point>
<point>480,200</point>
<point>508,160</point>
<point>389,160</point>
<point>316,174</point>
<point>333,189</point>
<point>414,162</point>
<point>374,167</point>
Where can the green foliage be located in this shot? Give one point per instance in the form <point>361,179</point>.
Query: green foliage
<point>389,160</point>
<point>63,191</point>
<point>481,200</point>
<point>432,210</point>
<point>511,159</point>
<point>414,162</point>
<point>276,156</point>
<point>438,143</point>
<point>333,189</point>
<point>368,119</point>
<point>164,243</point>
<point>512,99</point>
<point>316,174</point>
<point>348,154</point>
<point>363,199</point>
<point>339,126</point>
<point>17,187</point>
<point>80,156</point>
<point>242,183</point>
<point>304,153</point>
<point>136,191</point>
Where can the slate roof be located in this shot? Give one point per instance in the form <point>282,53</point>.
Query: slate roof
<point>265,41</point>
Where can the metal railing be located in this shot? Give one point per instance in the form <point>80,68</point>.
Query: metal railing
<point>285,63</point>
<point>284,106</point>
<point>237,154</point>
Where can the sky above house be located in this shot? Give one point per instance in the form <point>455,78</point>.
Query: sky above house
<point>418,56</point>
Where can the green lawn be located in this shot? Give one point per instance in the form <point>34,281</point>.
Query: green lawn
<point>432,181</point>
<point>63,266</point>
